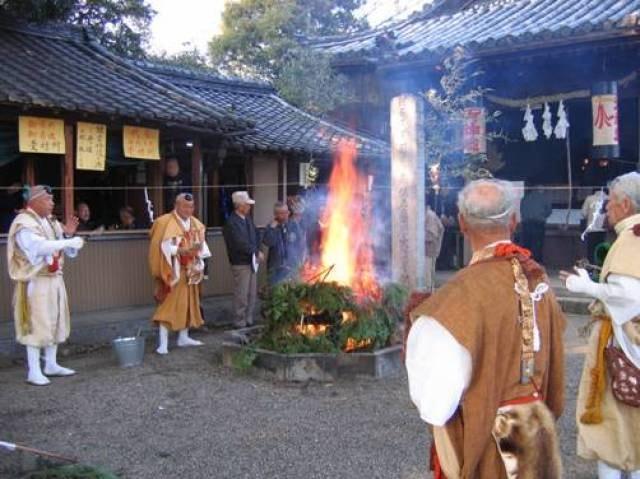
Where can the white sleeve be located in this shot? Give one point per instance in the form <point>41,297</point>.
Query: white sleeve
<point>29,243</point>
<point>169,249</point>
<point>205,252</point>
<point>71,252</point>
<point>439,370</point>
<point>621,295</point>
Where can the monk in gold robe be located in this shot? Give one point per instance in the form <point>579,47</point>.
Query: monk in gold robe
<point>608,429</point>
<point>36,248</point>
<point>176,258</point>
<point>484,353</point>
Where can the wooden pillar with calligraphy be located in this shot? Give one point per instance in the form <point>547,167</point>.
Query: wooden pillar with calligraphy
<point>408,191</point>
<point>196,176</point>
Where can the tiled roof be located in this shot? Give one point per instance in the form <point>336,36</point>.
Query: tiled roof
<point>279,126</point>
<point>61,67</point>
<point>488,25</point>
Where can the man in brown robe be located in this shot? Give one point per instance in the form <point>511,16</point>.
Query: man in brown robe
<point>176,259</point>
<point>484,355</point>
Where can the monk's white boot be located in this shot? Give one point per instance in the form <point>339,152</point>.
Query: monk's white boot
<point>635,475</point>
<point>35,375</point>
<point>51,366</point>
<point>184,340</point>
<point>163,340</point>
<point>607,472</point>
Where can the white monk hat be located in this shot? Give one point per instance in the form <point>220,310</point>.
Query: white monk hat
<point>241,198</point>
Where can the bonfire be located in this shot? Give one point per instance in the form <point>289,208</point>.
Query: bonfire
<point>338,304</point>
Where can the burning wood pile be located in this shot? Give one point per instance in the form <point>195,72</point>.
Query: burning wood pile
<point>338,305</point>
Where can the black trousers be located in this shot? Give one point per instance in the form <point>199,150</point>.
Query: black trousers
<point>533,238</point>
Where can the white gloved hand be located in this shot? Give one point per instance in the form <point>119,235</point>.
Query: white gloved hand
<point>580,282</point>
<point>76,242</point>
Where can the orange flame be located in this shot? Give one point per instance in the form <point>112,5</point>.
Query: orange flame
<point>354,345</point>
<point>346,246</point>
<point>311,330</point>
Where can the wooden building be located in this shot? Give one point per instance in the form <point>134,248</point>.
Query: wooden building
<point>226,134</point>
<point>528,53</point>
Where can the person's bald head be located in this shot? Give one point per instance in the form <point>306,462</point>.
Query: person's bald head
<point>488,205</point>
<point>184,205</point>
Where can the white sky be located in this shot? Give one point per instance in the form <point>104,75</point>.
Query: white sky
<point>196,21</point>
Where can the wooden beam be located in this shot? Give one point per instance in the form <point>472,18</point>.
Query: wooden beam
<point>196,175</point>
<point>67,173</point>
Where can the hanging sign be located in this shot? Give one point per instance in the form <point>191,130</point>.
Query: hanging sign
<point>604,104</point>
<point>474,131</point>
<point>91,146</point>
<point>41,135</point>
<point>142,143</point>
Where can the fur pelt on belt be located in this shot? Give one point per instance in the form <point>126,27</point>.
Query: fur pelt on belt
<point>528,442</point>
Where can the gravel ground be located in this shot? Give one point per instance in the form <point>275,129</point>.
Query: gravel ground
<point>185,416</point>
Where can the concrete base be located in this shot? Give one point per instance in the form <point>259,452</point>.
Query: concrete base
<point>322,367</point>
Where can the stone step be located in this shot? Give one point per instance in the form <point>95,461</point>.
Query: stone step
<point>575,304</point>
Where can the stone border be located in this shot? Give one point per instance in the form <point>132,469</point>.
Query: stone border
<point>322,367</point>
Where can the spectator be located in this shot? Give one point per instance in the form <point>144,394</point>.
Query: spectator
<point>297,233</point>
<point>243,241</point>
<point>127,219</point>
<point>535,209</point>
<point>174,183</point>
<point>285,239</point>
<point>433,235</point>
<point>83,212</point>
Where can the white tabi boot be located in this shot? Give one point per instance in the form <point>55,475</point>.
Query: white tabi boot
<point>635,474</point>
<point>607,472</point>
<point>51,366</point>
<point>163,340</point>
<point>35,376</point>
<point>184,340</point>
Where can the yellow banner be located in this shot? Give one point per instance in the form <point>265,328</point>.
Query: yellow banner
<point>143,143</point>
<point>91,146</point>
<point>41,135</point>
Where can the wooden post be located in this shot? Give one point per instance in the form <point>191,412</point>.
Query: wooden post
<point>29,171</point>
<point>154,179</point>
<point>196,176</point>
<point>67,173</point>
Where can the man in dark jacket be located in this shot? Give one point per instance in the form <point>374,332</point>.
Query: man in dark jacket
<point>281,237</point>
<point>243,243</point>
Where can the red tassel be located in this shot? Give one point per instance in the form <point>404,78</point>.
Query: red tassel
<point>435,464</point>
<point>55,265</point>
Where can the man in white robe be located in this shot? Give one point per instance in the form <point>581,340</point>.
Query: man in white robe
<point>608,429</point>
<point>36,247</point>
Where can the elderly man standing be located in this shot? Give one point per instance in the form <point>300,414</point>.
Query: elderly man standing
<point>36,247</point>
<point>434,234</point>
<point>284,237</point>
<point>176,259</point>
<point>484,353</point>
<point>608,418</point>
<point>243,242</point>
